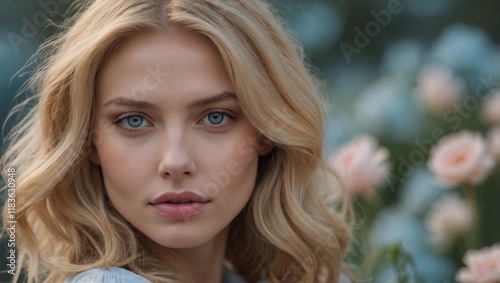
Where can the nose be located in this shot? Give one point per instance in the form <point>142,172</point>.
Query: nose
<point>176,161</point>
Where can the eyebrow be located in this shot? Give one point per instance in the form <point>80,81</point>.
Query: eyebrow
<point>140,104</point>
<point>131,103</point>
<point>225,95</point>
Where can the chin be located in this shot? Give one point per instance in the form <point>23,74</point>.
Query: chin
<point>184,240</point>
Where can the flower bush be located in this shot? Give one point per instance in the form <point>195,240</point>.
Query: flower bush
<point>427,136</point>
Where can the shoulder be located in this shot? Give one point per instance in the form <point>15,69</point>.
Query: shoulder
<point>229,276</point>
<point>345,279</point>
<point>111,275</point>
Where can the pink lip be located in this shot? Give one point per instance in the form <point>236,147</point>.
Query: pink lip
<point>167,205</point>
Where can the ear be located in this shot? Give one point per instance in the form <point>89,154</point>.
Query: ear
<point>264,147</point>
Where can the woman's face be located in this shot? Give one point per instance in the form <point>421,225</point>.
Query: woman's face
<point>178,156</point>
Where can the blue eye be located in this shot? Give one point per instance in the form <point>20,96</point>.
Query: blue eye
<point>133,122</point>
<point>217,118</point>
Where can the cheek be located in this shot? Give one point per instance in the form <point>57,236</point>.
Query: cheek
<point>241,186</point>
<point>232,172</point>
<point>121,167</point>
<point>242,150</point>
<point>232,154</point>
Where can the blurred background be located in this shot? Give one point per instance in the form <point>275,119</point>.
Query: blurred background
<point>403,74</point>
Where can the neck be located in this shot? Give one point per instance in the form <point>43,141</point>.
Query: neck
<point>201,264</point>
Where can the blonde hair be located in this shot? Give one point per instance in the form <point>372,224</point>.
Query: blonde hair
<point>65,224</point>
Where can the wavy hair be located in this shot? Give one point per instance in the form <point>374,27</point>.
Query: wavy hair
<point>66,225</point>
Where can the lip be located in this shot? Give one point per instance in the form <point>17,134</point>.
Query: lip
<point>165,204</point>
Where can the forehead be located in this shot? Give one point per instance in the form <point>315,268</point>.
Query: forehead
<point>141,48</point>
<point>163,63</point>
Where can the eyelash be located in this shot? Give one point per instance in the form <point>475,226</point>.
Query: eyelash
<point>122,118</point>
<point>118,122</point>
<point>224,112</point>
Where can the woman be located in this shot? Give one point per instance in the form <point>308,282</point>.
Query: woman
<point>174,141</point>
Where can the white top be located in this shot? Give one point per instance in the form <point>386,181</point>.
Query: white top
<point>120,275</point>
<point>111,275</point>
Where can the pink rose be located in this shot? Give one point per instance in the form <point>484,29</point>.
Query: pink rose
<point>482,266</point>
<point>494,142</point>
<point>449,219</point>
<point>491,108</point>
<point>361,164</point>
<point>438,88</point>
<point>460,158</point>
